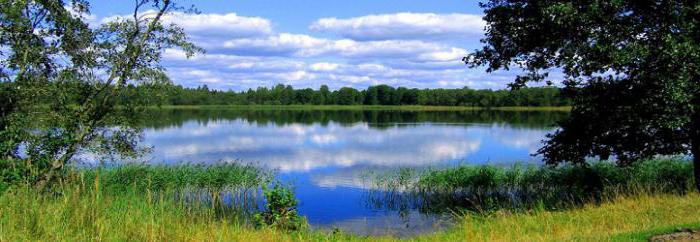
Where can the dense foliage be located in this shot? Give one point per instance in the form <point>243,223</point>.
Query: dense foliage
<point>60,77</point>
<point>374,95</point>
<point>631,67</point>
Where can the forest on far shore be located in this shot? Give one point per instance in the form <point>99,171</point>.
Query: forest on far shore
<point>373,95</point>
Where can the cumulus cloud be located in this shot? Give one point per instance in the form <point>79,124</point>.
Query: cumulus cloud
<point>403,26</point>
<point>228,25</point>
<point>247,52</point>
<point>300,45</point>
<point>251,72</point>
<point>267,65</point>
<point>281,44</point>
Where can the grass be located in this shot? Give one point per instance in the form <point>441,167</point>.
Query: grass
<point>86,215</point>
<point>365,107</point>
<point>632,218</point>
<point>80,214</point>
<point>135,203</point>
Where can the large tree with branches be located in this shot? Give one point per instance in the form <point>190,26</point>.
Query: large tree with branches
<point>632,68</point>
<point>65,76</point>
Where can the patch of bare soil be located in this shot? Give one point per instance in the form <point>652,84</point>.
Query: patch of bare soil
<point>679,235</point>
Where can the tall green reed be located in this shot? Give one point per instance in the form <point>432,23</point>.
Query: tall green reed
<point>522,187</point>
<point>229,188</point>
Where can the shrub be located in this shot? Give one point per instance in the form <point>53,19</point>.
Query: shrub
<point>280,209</point>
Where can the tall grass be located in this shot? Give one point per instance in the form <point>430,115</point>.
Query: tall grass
<point>86,212</point>
<point>81,214</point>
<point>488,188</point>
<point>230,189</point>
<point>143,177</point>
<point>175,203</point>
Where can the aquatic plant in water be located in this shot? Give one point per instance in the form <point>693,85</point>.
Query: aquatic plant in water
<point>489,188</point>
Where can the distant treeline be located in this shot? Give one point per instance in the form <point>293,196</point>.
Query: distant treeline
<point>374,95</point>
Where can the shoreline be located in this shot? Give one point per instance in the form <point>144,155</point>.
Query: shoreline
<point>367,107</point>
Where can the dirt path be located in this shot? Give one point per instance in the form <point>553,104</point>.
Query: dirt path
<point>679,235</point>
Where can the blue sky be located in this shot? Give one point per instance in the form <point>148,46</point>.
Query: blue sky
<point>308,43</point>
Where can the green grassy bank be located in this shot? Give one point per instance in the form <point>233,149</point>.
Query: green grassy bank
<point>79,215</point>
<point>146,203</point>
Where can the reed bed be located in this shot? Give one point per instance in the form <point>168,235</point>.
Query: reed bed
<point>143,177</point>
<point>519,187</point>
<point>231,189</point>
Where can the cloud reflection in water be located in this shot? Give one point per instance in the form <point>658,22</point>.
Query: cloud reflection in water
<point>299,147</point>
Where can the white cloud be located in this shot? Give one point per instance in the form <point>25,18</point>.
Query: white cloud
<point>267,65</point>
<point>301,46</point>
<point>240,73</point>
<point>324,66</point>
<point>453,54</point>
<point>86,17</point>
<point>281,44</point>
<point>403,26</point>
<point>295,76</point>
<point>228,25</point>
<point>246,52</point>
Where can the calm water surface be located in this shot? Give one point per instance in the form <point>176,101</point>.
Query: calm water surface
<point>326,154</point>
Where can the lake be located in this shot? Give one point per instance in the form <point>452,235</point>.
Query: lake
<point>327,154</point>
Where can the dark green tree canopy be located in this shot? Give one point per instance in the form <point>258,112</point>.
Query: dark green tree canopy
<point>631,67</point>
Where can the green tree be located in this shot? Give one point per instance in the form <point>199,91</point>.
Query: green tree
<point>410,97</point>
<point>632,68</point>
<point>347,96</point>
<point>304,96</point>
<point>385,94</point>
<point>316,98</point>
<point>371,96</point>
<point>62,106</point>
<point>325,94</point>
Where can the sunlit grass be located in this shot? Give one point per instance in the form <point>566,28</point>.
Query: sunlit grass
<point>143,203</point>
<point>89,215</point>
<point>83,215</point>
<point>622,219</point>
